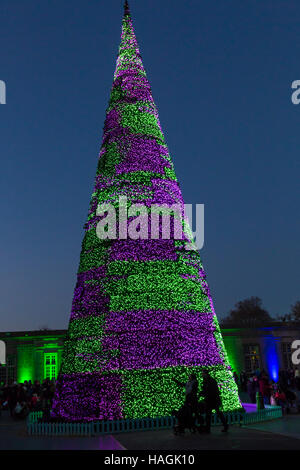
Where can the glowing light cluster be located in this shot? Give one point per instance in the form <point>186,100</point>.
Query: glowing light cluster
<point>142,313</point>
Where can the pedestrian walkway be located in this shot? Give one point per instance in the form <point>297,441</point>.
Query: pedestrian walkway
<point>272,435</point>
<point>13,436</point>
<point>287,426</point>
<point>237,438</point>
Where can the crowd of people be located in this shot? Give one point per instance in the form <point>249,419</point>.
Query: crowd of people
<point>21,398</point>
<point>285,392</point>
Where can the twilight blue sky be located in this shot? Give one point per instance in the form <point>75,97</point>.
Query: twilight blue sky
<point>221,75</point>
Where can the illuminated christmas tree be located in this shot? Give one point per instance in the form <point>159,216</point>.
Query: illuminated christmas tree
<point>142,313</point>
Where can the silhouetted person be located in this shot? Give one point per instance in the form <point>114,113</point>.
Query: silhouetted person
<point>243,381</point>
<point>251,389</point>
<point>236,378</point>
<point>265,388</point>
<point>191,396</point>
<point>211,394</point>
<point>12,398</point>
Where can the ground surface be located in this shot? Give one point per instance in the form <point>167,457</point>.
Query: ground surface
<point>260,437</point>
<point>279,434</point>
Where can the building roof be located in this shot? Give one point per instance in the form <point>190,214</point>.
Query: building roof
<point>22,334</point>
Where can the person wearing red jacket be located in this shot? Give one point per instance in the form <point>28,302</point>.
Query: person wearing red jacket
<point>280,398</point>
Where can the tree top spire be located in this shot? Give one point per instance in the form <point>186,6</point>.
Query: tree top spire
<point>129,58</point>
<point>126,8</point>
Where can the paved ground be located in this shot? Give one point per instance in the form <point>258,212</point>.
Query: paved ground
<point>13,436</point>
<point>238,438</point>
<point>288,426</point>
<point>273,435</point>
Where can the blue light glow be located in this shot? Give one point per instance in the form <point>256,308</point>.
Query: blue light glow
<point>272,357</point>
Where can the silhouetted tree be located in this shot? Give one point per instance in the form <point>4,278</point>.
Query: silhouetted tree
<point>294,314</point>
<point>248,313</point>
<point>44,328</point>
<point>287,317</point>
<point>295,311</point>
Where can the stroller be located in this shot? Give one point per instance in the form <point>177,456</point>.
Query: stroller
<point>187,419</point>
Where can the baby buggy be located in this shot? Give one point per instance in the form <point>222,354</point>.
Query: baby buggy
<point>188,419</point>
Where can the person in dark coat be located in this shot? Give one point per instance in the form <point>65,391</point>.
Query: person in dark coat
<point>211,394</point>
<point>191,403</point>
<point>12,398</point>
<point>243,381</point>
<point>265,389</point>
<point>251,389</point>
<point>236,378</point>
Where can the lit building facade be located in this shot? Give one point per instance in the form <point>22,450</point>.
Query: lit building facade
<point>31,355</point>
<point>36,355</point>
<point>265,348</point>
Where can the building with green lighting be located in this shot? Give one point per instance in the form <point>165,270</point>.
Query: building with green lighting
<point>31,355</point>
<point>36,355</point>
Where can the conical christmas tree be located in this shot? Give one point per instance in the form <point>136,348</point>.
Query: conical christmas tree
<point>142,313</point>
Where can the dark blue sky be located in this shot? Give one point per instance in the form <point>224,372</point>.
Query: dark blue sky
<point>221,75</point>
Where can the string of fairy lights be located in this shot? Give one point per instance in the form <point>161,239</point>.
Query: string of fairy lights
<point>142,313</point>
